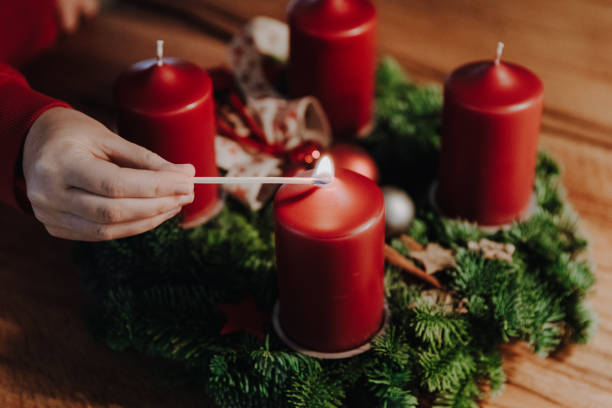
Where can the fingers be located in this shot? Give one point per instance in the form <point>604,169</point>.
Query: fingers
<point>77,190</point>
<point>107,179</point>
<point>90,7</point>
<point>70,12</point>
<point>104,210</point>
<point>127,154</point>
<point>68,15</point>
<point>68,226</point>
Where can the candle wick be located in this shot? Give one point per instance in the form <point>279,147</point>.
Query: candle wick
<point>500,49</point>
<point>160,52</point>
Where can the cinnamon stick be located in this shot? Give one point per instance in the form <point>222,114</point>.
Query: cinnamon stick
<point>399,260</point>
<point>411,243</point>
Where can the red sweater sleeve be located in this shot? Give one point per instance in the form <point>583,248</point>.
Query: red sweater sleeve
<point>26,28</point>
<point>20,106</point>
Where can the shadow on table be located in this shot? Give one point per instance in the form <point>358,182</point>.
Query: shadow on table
<point>47,355</point>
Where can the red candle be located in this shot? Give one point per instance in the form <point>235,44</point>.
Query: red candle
<point>333,57</point>
<point>166,105</point>
<point>490,128</point>
<point>329,254</point>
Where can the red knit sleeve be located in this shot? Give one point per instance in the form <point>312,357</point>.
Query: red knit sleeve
<point>20,106</point>
<point>26,28</point>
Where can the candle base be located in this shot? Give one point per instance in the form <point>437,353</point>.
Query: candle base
<point>322,355</point>
<point>522,217</point>
<point>206,215</point>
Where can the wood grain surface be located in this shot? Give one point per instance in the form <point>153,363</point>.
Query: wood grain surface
<point>48,357</point>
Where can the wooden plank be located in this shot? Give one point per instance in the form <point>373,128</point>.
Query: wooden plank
<point>557,383</point>
<point>515,396</point>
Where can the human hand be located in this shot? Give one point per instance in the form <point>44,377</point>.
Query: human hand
<point>87,183</point>
<point>70,12</point>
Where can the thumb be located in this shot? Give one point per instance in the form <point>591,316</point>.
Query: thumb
<point>131,155</point>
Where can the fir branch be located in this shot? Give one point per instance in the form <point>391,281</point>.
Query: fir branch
<point>315,389</point>
<point>581,320</point>
<point>389,387</point>
<point>490,370</point>
<point>436,326</point>
<point>463,396</point>
<point>393,347</point>
<point>445,369</point>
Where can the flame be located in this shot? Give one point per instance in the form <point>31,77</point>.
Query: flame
<point>324,171</point>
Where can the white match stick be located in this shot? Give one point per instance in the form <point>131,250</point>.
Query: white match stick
<point>261,180</point>
<point>323,174</point>
<point>500,49</point>
<point>160,52</point>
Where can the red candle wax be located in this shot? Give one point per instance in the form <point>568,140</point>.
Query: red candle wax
<point>490,128</point>
<point>168,108</point>
<point>329,254</point>
<point>333,57</point>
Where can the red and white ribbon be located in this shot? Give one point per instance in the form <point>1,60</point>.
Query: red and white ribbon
<point>285,124</point>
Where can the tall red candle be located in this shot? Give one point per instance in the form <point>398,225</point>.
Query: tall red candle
<point>329,254</point>
<point>333,57</point>
<point>490,128</point>
<point>166,105</point>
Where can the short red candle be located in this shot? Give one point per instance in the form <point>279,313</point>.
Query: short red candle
<point>333,57</point>
<point>490,127</point>
<point>329,254</point>
<point>168,108</point>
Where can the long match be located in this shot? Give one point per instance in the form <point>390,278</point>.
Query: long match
<point>262,180</point>
<point>323,174</point>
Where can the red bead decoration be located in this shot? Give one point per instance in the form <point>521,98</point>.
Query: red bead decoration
<point>306,154</point>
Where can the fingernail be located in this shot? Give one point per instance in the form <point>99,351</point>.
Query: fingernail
<point>184,189</point>
<point>186,199</point>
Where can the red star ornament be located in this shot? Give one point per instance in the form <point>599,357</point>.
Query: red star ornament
<point>244,316</point>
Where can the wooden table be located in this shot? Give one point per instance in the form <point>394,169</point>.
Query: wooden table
<point>47,356</point>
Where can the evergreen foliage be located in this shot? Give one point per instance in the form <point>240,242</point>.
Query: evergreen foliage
<point>157,293</point>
